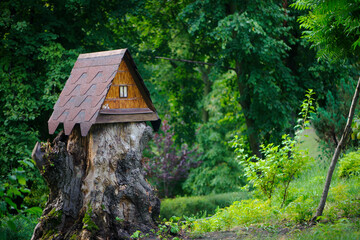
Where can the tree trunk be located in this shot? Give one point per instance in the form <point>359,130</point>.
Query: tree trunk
<point>336,155</point>
<point>207,88</point>
<point>245,105</point>
<point>97,185</point>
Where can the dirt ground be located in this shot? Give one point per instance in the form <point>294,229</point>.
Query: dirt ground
<point>254,232</point>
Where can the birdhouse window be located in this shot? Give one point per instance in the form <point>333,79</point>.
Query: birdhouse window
<point>123,91</point>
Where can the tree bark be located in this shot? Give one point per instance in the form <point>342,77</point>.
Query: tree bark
<point>207,89</point>
<point>245,105</point>
<point>336,155</point>
<point>97,185</point>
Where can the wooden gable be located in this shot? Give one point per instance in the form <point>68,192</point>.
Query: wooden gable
<point>124,79</point>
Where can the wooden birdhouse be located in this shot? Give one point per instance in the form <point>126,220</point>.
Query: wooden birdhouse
<point>104,87</point>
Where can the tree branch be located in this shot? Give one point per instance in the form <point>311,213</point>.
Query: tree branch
<point>191,61</point>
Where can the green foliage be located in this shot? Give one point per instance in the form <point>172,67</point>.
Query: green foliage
<point>300,210</point>
<point>349,165</point>
<point>271,67</point>
<point>219,171</point>
<point>173,229</point>
<point>39,43</point>
<point>17,217</point>
<point>167,165</point>
<point>137,235</point>
<point>345,204</point>
<point>88,223</point>
<point>244,212</point>
<point>198,205</point>
<point>19,227</point>
<point>303,196</point>
<point>331,26</point>
<point>307,108</point>
<point>329,120</point>
<point>13,188</point>
<point>302,202</point>
<point>341,229</point>
<point>280,165</point>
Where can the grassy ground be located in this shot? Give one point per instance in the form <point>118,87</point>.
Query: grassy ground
<point>310,142</point>
<point>199,205</point>
<point>341,230</point>
<point>257,219</point>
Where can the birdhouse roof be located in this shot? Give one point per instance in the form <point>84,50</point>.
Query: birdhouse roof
<point>84,93</point>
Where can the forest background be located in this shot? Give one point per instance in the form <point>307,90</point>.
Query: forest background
<point>247,75</point>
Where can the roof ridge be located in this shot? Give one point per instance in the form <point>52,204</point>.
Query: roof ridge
<point>102,53</point>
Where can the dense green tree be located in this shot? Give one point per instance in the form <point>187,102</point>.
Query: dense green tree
<point>252,77</point>
<point>220,171</point>
<point>329,120</point>
<point>39,42</point>
<point>184,85</point>
<point>258,42</point>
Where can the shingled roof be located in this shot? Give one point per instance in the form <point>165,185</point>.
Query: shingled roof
<point>84,93</point>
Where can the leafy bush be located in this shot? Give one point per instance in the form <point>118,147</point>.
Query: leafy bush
<point>329,121</point>
<point>243,212</point>
<point>349,165</point>
<point>300,210</point>
<point>13,190</point>
<point>19,227</point>
<point>219,171</point>
<point>280,165</point>
<point>198,205</point>
<point>167,166</point>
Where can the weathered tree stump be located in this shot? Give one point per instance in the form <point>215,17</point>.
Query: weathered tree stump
<point>97,185</point>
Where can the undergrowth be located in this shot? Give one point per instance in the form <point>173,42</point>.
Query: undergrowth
<point>304,195</point>
<point>199,206</point>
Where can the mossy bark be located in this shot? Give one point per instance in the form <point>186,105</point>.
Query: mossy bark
<point>97,185</point>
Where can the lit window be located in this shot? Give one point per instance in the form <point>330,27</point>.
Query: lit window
<point>123,92</point>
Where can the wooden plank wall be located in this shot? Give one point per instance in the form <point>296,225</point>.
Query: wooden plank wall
<point>134,99</point>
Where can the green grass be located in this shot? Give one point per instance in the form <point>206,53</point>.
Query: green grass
<point>343,229</point>
<point>198,205</point>
<point>310,142</point>
<point>341,210</point>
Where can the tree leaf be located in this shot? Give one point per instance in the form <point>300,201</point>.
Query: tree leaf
<point>22,180</point>
<point>11,225</point>
<point>34,210</point>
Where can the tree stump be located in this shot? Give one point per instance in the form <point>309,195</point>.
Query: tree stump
<point>97,184</point>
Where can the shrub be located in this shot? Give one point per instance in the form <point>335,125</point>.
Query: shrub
<point>167,166</point>
<point>329,121</point>
<point>19,227</point>
<point>197,205</point>
<point>300,210</point>
<point>280,165</point>
<point>244,212</point>
<point>343,203</point>
<point>349,165</point>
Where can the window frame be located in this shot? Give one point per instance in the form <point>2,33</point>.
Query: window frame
<point>123,91</point>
